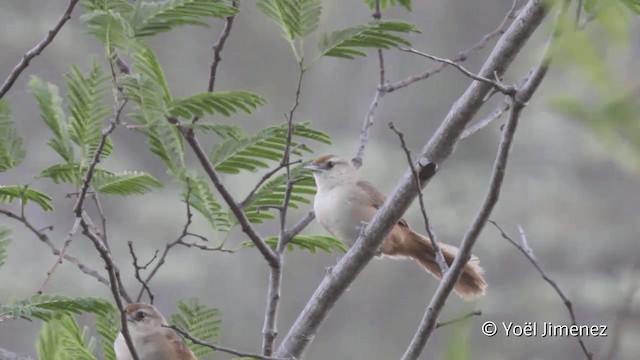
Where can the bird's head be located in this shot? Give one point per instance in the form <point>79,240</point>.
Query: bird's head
<point>144,319</point>
<point>330,171</point>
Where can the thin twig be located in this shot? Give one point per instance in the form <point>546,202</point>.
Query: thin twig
<point>462,56</point>
<point>442,263</point>
<point>103,220</point>
<point>56,252</point>
<point>67,242</point>
<point>358,160</point>
<point>622,315</point>
<point>458,319</point>
<point>264,178</point>
<point>178,241</point>
<point>528,252</point>
<point>217,51</point>
<point>497,84</point>
<point>190,136</point>
<point>36,50</point>
<point>137,269</point>
<point>495,115</point>
<point>224,349</point>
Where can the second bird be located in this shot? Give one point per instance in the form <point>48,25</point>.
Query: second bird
<point>344,202</point>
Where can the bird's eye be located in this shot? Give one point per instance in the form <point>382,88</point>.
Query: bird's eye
<point>140,315</point>
<point>330,164</point>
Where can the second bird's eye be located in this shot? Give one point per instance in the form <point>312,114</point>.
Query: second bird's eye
<point>140,315</point>
<point>330,165</point>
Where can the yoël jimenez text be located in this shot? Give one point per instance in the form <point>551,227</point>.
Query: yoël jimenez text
<point>548,329</point>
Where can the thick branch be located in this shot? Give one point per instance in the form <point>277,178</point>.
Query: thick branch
<point>36,50</point>
<point>435,152</point>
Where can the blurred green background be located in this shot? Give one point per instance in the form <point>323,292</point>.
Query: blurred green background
<point>576,196</point>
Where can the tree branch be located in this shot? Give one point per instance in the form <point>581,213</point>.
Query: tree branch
<point>36,50</point>
<point>8,355</point>
<point>220,348</point>
<point>458,319</point>
<point>528,252</point>
<point>435,152</point>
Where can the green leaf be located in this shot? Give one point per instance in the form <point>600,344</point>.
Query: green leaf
<point>346,43</point>
<point>87,108</point>
<point>200,321</point>
<point>203,200</point>
<point>110,27</point>
<point>62,338</point>
<point>5,239</point>
<point>70,173</point>
<point>297,18</point>
<point>49,306</point>
<point>12,151</point>
<point>108,327</point>
<point>240,152</point>
<point>125,183</point>
<point>105,5</point>
<point>166,142</point>
<point>384,4</point>
<point>9,194</point>
<point>51,112</point>
<point>311,243</point>
<point>272,194</point>
<point>633,5</point>
<point>151,18</point>
<point>222,102</point>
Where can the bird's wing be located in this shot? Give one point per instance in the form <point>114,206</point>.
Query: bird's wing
<point>177,347</point>
<point>377,198</point>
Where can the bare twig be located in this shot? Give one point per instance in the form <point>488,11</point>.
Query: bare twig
<point>56,252</point>
<point>495,115</point>
<point>217,51</point>
<point>224,349</point>
<point>103,220</point>
<point>36,50</point>
<point>190,136</point>
<point>497,84</point>
<point>375,102</point>
<point>458,319</point>
<point>178,241</point>
<point>264,178</point>
<point>67,242</point>
<point>137,269</point>
<point>462,56</point>
<point>442,263</point>
<point>528,252</point>
<point>433,154</point>
<point>8,355</point>
<point>301,224</point>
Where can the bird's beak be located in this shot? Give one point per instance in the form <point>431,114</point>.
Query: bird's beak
<point>312,167</point>
<point>130,318</point>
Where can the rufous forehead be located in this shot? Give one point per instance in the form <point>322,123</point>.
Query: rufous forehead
<point>132,308</point>
<point>323,159</point>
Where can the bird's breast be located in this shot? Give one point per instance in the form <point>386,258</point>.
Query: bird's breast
<point>338,211</point>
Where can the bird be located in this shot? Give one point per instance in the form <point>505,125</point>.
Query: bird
<point>344,201</point>
<point>151,339</point>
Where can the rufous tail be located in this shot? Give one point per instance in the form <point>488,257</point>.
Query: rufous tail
<point>471,283</point>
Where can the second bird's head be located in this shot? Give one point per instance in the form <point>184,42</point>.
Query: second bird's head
<point>331,171</point>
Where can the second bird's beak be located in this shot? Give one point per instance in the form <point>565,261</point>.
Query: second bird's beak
<point>312,167</point>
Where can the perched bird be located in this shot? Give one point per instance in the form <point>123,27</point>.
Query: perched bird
<point>151,340</point>
<point>344,202</point>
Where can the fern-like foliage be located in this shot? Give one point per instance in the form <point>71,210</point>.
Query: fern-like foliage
<point>121,6</point>
<point>347,43</point>
<point>48,306</point>
<point>222,102</point>
<point>62,339</point>
<point>87,108</point>
<point>9,194</point>
<point>201,198</point>
<point>296,18</point>
<point>50,104</point>
<point>108,327</point>
<point>386,3</point>
<point>125,183</point>
<point>12,151</point>
<point>238,151</point>
<point>151,18</point>
<point>5,239</point>
<point>200,321</point>
<point>311,243</point>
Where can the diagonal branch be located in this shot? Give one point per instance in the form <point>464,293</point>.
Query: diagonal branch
<point>36,50</point>
<point>434,153</point>
<point>528,252</point>
<point>224,349</point>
